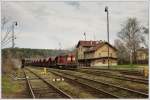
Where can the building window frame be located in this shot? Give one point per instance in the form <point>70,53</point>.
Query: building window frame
<point>103,61</point>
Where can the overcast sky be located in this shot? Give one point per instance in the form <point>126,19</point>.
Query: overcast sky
<point>45,24</point>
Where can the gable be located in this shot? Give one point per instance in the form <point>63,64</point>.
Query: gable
<point>104,48</point>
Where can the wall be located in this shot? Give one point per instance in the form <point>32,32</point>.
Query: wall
<point>103,52</point>
<point>100,62</point>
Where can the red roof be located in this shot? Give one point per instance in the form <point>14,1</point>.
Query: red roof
<point>93,45</point>
<point>92,49</point>
<point>87,43</point>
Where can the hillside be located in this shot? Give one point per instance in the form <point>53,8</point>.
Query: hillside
<point>11,57</point>
<point>27,52</point>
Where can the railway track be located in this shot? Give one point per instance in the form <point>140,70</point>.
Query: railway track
<point>117,91</point>
<point>41,88</point>
<point>122,71</point>
<point>95,92</point>
<point>115,76</point>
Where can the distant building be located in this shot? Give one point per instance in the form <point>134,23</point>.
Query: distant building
<point>142,56</point>
<point>95,53</point>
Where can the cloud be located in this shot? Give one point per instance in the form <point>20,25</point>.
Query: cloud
<point>73,3</point>
<point>45,24</point>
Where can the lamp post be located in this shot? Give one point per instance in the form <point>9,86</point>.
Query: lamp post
<point>13,37</point>
<point>106,10</point>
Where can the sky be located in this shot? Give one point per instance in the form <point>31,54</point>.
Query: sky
<point>54,25</point>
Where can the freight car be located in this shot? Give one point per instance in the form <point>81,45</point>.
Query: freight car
<point>62,62</point>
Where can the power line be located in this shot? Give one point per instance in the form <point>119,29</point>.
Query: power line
<point>6,39</point>
<point>6,35</point>
<point>9,38</point>
<point>6,43</point>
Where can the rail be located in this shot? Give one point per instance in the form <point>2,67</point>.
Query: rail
<point>108,84</point>
<point>62,93</point>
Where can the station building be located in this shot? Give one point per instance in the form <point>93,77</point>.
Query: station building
<point>95,53</point>
<point>142,55</point>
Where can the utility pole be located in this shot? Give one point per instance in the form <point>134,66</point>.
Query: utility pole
<point>13,36</point>
<point>84,54</point>
<point>106,10</point>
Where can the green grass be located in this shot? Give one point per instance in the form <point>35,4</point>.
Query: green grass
<point>133,66</point>
<point>125,67</point>
<point>8,86</point>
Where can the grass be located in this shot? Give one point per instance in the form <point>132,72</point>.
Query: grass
<point>8,86</point>
<point>124,66</point>
<point>129,66</point>
<point>133,67</point>
<point>74,91</point>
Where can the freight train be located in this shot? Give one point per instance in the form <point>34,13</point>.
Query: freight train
<point>62,62</point>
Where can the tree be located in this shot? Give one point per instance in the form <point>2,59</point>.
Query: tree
<point>122,53</point>
<point>146,30</point>
<point>145,39</point>
<point>131,36</point>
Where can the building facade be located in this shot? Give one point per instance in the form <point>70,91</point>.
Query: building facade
<point>95,53</point>
<point>142,56</point>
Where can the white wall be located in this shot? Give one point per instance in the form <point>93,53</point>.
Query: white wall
<point>101,64</point>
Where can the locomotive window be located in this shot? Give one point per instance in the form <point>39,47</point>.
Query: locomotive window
<point>69,58</point>
<point>73,58</point>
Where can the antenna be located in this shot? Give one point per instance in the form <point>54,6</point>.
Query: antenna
<point>59,45</point>
<point>85,36</point>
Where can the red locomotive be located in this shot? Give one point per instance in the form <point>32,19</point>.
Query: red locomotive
<point>65,61</point>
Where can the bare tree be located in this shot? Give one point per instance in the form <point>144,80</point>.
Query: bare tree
<point>122,52</point>
<point>146,30</point>
<point>131,36</point>
<point>145,38</point>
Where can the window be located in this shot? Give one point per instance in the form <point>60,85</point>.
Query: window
<point>103,61</point>
<point>110,54</point>
<point>110,62</point>
<point>99,54</point>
